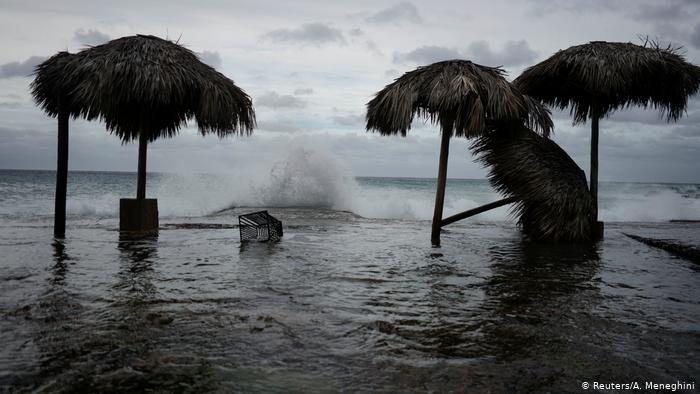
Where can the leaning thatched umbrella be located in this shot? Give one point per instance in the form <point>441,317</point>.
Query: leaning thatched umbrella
<point>465,98</point>
<point>552,199</point>
<point>600,77</point>
<point>142,87</point>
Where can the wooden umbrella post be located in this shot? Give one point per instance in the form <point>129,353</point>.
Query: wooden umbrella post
<point>441,182</point>
<point>597,226</point>
<point>143,151</point>
<point>139,214</point>
<point>59,224</point>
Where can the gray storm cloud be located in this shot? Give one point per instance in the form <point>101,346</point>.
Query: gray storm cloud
<point>695,37</point>
<point>349,120</point>
<point>275,100</point>
<point>90,37</point>
<point>303,91</point>
<point>20,69</point>
<point>309,34</point>
<point>427,54</point>
<point>513,53</point>
<point>211,58</point>
<point>401,12</point>
<point>669,10</point>
<point>278,126</point>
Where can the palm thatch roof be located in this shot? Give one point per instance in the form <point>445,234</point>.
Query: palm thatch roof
<point>613,75</point>
<point>554,202</point>
<point>459,94</point>
<point>47,87</point>
<point>143,84</point>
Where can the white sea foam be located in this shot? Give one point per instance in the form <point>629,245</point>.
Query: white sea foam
<point>316,178</point>
<point>650,207</point>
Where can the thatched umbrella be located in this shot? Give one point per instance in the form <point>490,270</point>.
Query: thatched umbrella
<point>142,87</point>
<point>550,192</point>
<point>600,77</point>
<point>464,98</point>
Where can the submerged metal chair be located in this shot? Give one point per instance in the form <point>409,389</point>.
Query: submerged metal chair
<point>259,226</point>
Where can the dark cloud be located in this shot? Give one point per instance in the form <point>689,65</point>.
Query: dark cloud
<point>669,10</point>
<point>401,12</point>
<point>274,100</point>
<point>356,32</point>
<point>695,37</point>
<point>349,120</point>
<point>20,69</point>
<point>688,131</point>
<point>303,91</point>
<point>647,153</point>
<point>308,34</point>
<point>639,115</point>
<point>211,58</point>
<point>514,53</point>
<point>427,54</point>
<point>34,147</point>
<point>372,47</point>
<point>90,37</point>
<point>10,101</point>
<point>27,149</point>
<point>10,104</point>
<point>577,7</point>
<point>668,20</point>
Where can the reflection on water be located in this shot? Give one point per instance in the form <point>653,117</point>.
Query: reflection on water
<point>134,284</point>
<point>60,266</point>
<point>58,313</point>
<point>341,303</point>
<point>533,290</point>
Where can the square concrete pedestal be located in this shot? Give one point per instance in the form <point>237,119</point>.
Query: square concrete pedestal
<point>138,215</point>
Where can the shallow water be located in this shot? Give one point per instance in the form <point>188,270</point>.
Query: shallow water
<point>342,303</point>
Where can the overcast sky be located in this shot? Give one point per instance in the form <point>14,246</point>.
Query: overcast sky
<point>311,66</point>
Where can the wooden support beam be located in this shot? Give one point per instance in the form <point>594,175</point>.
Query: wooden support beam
<point>478,210</point>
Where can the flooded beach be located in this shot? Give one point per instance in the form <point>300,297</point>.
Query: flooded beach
<point>342,303</point>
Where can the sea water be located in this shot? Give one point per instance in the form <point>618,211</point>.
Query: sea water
<point>353,298</point>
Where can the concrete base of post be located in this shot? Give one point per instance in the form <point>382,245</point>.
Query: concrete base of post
<point>138,215</point>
